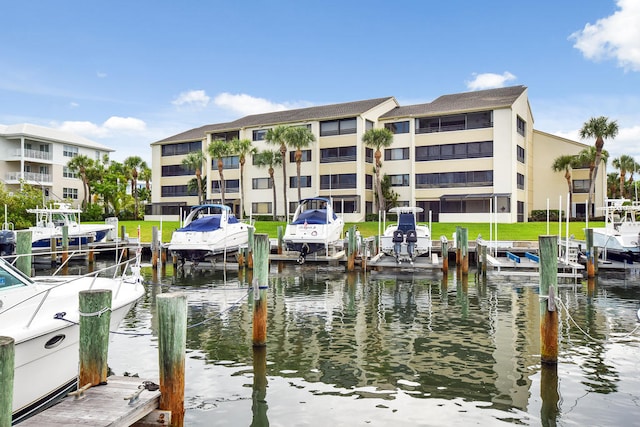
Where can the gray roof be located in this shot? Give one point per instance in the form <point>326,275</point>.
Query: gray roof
<point>467,101</point>
<point>323,112</point>
<point>196,134</point>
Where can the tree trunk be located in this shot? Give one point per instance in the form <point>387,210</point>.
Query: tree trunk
<point>273,186</point>
<point>220,168</point>
<point>283,153</point>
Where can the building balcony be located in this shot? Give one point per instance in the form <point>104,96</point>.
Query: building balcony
<point>36,155</point>
<point>28,177</point>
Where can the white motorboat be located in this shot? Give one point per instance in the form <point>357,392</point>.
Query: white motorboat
<point>620,237</point>
<point>314,227</point>
<point>406,239</point>
<point>49,223</point>
<point>42,315</point>
<point>207,231</point>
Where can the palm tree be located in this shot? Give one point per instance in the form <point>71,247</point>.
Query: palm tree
<point>133,165</point>
<point>587,158</point>
<point>242,147</point>
<point>613,180</point>
<point>269,158</point>
<point>599,128</point>
<point>378,138</point>
<point>277,136</point>
<point>217,150</point>
<point>80,165</point>
<point>624,164</point>
<point>565,163</point>
<point>299,137</point>
<point>193,161</point>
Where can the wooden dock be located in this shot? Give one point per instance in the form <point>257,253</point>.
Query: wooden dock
<point>113,404</point>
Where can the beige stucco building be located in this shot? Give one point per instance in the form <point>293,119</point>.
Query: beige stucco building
<point>38,156</point>
<point>458,157</point>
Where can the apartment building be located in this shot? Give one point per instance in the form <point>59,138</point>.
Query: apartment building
<point>459,157</point>
<point>38,156</point>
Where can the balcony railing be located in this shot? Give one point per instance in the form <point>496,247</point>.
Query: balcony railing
<point>34,154</point>
<point>31,177</point>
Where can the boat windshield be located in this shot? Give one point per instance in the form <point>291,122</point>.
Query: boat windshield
<point>10,276</point>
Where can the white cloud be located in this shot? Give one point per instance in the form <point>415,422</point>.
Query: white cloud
<point>614,37</point>
<point>101,75</point>
<point>112,127</point>
<point>74,104</point>
<point>489,80</point>
<point>193,98</point>
<point>247,104</point>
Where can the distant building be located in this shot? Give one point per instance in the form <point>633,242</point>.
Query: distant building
<point>458,157</point>
<point>38,156</point>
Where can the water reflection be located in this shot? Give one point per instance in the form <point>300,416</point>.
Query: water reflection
<point>383,347</point>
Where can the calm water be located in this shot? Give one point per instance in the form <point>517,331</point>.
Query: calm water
<point>397,349</point>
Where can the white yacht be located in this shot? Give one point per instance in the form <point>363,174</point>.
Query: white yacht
<point>406,239</point>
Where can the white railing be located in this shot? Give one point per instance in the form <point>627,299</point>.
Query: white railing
<point>34,154</point>
<point>29,177</point>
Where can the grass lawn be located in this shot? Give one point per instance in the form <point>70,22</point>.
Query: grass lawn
<point>517,231</point>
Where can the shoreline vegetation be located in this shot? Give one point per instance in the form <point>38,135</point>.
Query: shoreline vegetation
<point>521,231</point>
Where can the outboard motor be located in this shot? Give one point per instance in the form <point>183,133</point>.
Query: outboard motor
<point>412,238</point>
<point>303,254</point>
<point>397,239</point>
<point>7,242</point>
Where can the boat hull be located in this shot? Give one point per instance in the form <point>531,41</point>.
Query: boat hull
<point>198,246</point>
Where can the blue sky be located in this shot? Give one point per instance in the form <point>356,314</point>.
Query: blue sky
<point>128,73</point>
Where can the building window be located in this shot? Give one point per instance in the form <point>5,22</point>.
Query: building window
<point>520,154</point>
<point>261,183</point>
<point>176,170</point>
<point>580,185</point>
<point>368,182</point>
<point>368,124</point>
<point>522,126</point>
<point>398,127</point>
<point>177,191</point>
<point>67,173</point>
<point>338,127</point>
<point>473,203</point>
<point>306,156</point>
<point>520,181</point>
<point>346,204</point>
<point>69,193</point>
<point>368,155</point>
<point>399,180</point>
<point>225,136</point>
<point>261,208</point>
<point>305,182</point>
<point>466,150</point>
<point>455,179</point>
<point>477,120</point>
<point>520,211</point>
<point>338,154</point>
<point>69,151</point>
<point>181,148</point>
<point>396,154</point>
<point>228,162</point>
<point>258,135</point>
<point>333,182</point>
<point>230,186</point>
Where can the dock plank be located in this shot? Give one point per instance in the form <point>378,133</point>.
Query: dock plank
<point>105,405</point>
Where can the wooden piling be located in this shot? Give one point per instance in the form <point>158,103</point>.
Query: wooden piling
<point>444,249</point>
<point>7,365</point>
<point>548,246</point>
<point>464,250</point>
<point>95,317</point>
<point>351,248</point>
<point>65,244</point>
<point>251,232</point>
<point>457,245</point>
<point>53,247</point>
<point>280,241</point>
<point>484,261</point>
<point>154,247</point>
<point>172,346</point>
<point>259,406</point>
<point>549,393</point>
<point>261,282</point>
<point>23,250</point>
<point>590,260</point>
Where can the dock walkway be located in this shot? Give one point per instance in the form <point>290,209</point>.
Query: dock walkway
<point>105,405</point>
